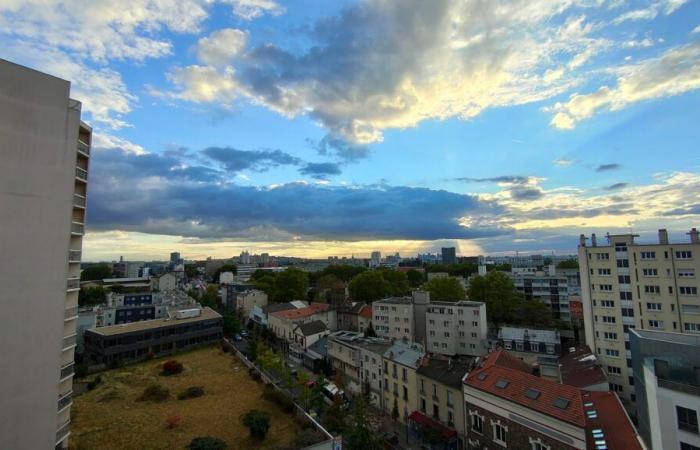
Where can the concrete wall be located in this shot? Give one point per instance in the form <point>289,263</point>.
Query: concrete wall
<point>38,147</point>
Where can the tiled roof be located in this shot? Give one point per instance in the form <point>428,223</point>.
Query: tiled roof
<point>610,422</point>
<point>293,314</point>
<point>580,368</point>
<point>311,328</point>
<point>366,312</point>
<point>501,375</point>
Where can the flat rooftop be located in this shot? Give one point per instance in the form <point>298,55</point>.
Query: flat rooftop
<point>676,338</point>
<point>114,330</point>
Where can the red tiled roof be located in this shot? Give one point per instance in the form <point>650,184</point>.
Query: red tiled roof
<point>292,314</point>
<point>501,366</point>
<point>366,312</point>
<point>580,368</point>
<point>612,419</point>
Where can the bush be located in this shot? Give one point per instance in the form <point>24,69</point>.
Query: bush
<point>172,367</point>
<point>191,392</point>
<point>207,443</point>
<point>258,422</point>
<point>254,374</point>
<point>155,393</point>
<point>173,422</point>
<point>94,382</point>
<point>273,395</point>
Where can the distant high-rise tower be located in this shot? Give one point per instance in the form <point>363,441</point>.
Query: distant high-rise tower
<point>45,152</point>
<point>449,255</point>
<point>375,259</point>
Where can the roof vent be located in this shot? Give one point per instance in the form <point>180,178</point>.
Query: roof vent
<point>561,403</point>
<point>532,394</point>
<point>502,384</point>
<point>482,376</point>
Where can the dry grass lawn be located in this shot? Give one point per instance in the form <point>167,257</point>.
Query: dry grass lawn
<point>110,417</point>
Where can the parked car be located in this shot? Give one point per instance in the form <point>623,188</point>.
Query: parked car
<point>244,333</point>
<point>237,338</point>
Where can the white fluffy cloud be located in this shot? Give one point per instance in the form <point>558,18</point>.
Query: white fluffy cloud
<point>666,7</point>
<point>221,46</point>
<point>250,9</point>
<point>676,71</point>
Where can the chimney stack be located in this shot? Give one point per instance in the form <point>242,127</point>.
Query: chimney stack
<point>594,241</point>
<point>582,240</point>
<point>663,236</point>
<point>694,236</point>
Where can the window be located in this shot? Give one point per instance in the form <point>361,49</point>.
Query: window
<point>534,347</point>
<point>449,398</point>
<point>625,296</point>
<point>627,312</point>
<point>604,272</point>
<point>614,370</point>
<point>404,376</point>
<point>654,306</point>
<point>610,336</point>
<point>500,433</point>
<point>422,405</point>
<point>616,387</point>
<point>606,287</point>
<point>608,319</point>
<point>602,256</point>
<point>537,444</point>
<point>656,324</point>
<point>688,290</point>
<point>623,279</point>
<point>650,273</point>
<point>652,289</point>
<point>692,327</point>
<point>607,304</point>
<point>477,422</point>
<point>648,255</point>
<point>623,263</point>
<point>476,324</point>
<point>686,273</point>
<point>687,419</point>
<point>690,309</point>
<point>450,418</point>
<point>684,255</point>
<point>612,353</point>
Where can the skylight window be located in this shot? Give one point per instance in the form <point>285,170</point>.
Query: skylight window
<point>532,394</point>
<point>561,403</point>
<point>502,384</point>
<point>482,376</point>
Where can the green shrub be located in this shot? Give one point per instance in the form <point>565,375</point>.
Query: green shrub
<point>155,393</point>
<point>258,422</point>
<point>191,392</point>
<point>172,367</point>
<point>207,443</point>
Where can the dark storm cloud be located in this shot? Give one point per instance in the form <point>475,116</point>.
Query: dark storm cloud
<point>235,160</point>
<point>526,193</point>
<point>320,170</point>
<point>616,186</point>
<point>182,203</point>
<point>689,210</point>
<point>607,167</point>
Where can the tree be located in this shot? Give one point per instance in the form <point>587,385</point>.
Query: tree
<point>89,296</point>
<point>225,268</point>
<point>359,435</point>
<point>210,297</point>
<point>445,289</point>
<point>496,289</point>
<point>335,416</point>
<point>231,324</point>
<point>316,397</point>
<point>191,270</point>
<point>369,286</point>
<point>207,443</point>
<point>291,284</point>
<point>96,272</point>
<point>193,293</point>
<point>325,287</point>
<point>568,264</point>
<point>343,272</point>
<point>258,423</point>
<point>415,278</point>
<point>398,282</point>
<point>265,281</point>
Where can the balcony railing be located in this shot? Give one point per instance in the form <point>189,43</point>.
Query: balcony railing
<point>63,432</point>
<point>67,370</point>
<point>73,283</point>
<point>79,201</point>
<point>77,228</point>
<point>81,173</point>
<point>69,341</point>
<point>74,255</point>
<point>66,400</point>
<point>71,313</point>
<point>83,148</point>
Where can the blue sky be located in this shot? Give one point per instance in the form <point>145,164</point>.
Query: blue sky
<point>317,128</point>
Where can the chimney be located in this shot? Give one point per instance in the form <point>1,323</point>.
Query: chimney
<point>594,241</point>
<point>582,240</point>
<point>663,236</point>
<point>694,236</point>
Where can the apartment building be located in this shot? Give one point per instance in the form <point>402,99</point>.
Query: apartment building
<point>528,340</point>
<point>507,407</point>
<point>440,392</point>
<point>283,323</point>
<point>137,306</point>
<point>456,328</point>
<point>648,286</point>
<point>549,287</point>
<point>244,302</point>
<point>401,317</point>
<point>135,341</point>
<point>400,362</point>
<point>667,384</point>
<point>43,188</point>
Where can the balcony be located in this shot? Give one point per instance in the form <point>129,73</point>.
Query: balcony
<point>67,371</point>
<point>79,201</point>
<point>74,256</point>
<point>65,400</point>
<point>81,174</point>
<point>71,313</point>
<point>62,432</point>
<point>69,341</point>
<point>77,228</point>
<point>83,148</point>
<point>73,284</point>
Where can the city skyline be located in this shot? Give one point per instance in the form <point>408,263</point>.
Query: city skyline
<point>324,129</point>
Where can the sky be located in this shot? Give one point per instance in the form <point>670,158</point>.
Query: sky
<point>317,128</point>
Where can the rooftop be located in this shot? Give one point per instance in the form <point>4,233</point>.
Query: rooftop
<point>606,420</point>
<point>444,371</point>
<point>366,312</point>
<point>676,338</point>
<point>396,300</point>
<point>276,307</point>
<point>580,368</point>
<point>405,353</point>
<point>125,280</point>
<point>293,314</point>
<point>521,334</point>
<point>206,314</point>
<point>463,303</point>
<point>311,328</point>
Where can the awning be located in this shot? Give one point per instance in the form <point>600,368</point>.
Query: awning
<point>446,433</point>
